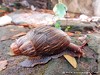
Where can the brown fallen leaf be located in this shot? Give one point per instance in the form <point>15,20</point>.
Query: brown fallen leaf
<point>70,33</point>
<point>3,64</point>
<point>24,25</point>
<point>3,38</point>
<point>78,32</point>
<point>18,35</point>
<point>21,25</point>
<point>71,60</point>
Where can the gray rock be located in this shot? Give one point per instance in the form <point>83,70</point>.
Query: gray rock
<point>33,18</point>
<point>62,67</point>
<point>58,66</point>
<point>94,42</point>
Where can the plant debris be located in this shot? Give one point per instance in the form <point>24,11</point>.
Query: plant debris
<point>71,60</point>
<point>3,38</point>
<point>18,35</point>
<point>3,65</point>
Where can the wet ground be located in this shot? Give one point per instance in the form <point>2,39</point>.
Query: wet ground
<point>87,65</point>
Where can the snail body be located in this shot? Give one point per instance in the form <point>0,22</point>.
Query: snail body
<point>41,44</point>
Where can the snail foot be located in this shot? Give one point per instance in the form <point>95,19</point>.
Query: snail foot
<point>33,62</point>
<point>58,55</point>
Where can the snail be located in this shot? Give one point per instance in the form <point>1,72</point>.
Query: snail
<point>41,44</point>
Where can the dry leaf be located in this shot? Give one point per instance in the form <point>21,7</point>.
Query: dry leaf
<point>25,25</point>
<point>4,38</point>
<point>78,32</point>
<point>71,60</point>
<point>70,33</point>
<point>21,25</point>
<point>3,64</point>
<point>18,35</point>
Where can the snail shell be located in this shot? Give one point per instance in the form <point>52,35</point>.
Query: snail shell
<point>41,41</point>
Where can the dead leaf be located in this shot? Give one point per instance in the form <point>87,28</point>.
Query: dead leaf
<point>3,64</point>
<point>3,38</point>
<point>18,35</point>
<point>70,34</point>
<point>2,11</point>
<point>71,60</point>
<point>78,32</point>
<point>21,25</point>
<point>25,25</point>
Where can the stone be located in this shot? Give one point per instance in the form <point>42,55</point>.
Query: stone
<point>77,25</point>
<point>32,18</point>
<point>87,7</point>
<point>61,66</point>
<point>94,42</point>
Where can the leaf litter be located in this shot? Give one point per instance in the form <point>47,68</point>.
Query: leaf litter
<point>18,35</point>
<point>71,60</point>
<point>3,64</point>
<point>4,38</point>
